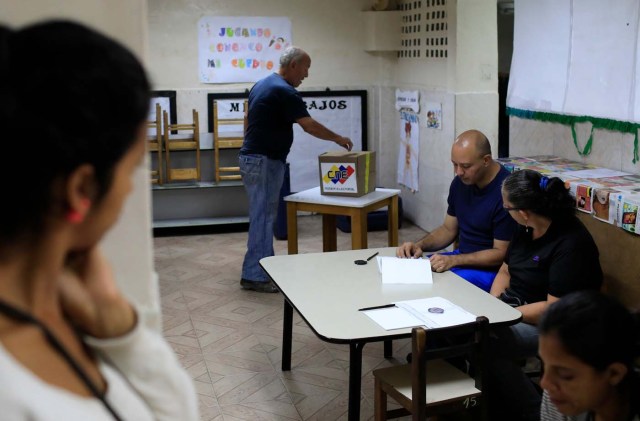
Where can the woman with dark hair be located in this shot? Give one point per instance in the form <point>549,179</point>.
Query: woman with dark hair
<point>588,343</point>
<point>73,106</point>
<point>551,255</point>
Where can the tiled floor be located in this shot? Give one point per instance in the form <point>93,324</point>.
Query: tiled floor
<point>230,339</point>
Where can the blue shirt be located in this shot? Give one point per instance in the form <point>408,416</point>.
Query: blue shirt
<point>274,106</point>
<point>480,213</point>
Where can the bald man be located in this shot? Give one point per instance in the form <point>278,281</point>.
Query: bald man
<point>475,215</point>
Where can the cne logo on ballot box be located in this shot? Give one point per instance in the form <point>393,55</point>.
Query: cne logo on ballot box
<point>347,173</point>
<point>339,174</point>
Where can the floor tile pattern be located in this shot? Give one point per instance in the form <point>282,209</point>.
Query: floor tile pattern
<point>230,339</point>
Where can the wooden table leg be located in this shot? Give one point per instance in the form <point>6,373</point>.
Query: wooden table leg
<point>393,222</point>
<point>292,228</point>
<point>359,230</point>
<point>329,237</point>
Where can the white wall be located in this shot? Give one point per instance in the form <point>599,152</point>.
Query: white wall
<point>465,84</point>
<point>331,31</point>
<point>128,245</point>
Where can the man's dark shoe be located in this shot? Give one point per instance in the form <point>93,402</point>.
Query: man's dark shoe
<point>267,286</point>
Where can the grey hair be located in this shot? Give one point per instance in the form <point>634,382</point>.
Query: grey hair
<point>291,54</point>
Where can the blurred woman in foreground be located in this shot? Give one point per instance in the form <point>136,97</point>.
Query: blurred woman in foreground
<point>589,342</point>
<point>73,106</point>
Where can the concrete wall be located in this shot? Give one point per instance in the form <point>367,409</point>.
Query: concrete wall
<point>465,84</point>
<point>128,245</point>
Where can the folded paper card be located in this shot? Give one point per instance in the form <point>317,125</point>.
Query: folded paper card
<point>405,271</point>
<point>433,313</point>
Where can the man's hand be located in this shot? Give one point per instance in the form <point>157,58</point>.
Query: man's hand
<point>442,263</point>
<point>345,142</point>
<point>410,250</point>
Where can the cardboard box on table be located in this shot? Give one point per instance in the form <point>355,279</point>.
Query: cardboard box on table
<point>351,174</point>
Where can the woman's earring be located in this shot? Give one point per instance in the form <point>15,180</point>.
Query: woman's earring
<point>526,227</point>
<point>77,216</point>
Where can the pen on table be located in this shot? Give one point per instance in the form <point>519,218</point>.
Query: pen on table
<point>376,307</point>
<point>374,255</point>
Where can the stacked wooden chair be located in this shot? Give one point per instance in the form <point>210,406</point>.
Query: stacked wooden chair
<point>154,138</point>
<point>430,385</point>
<point>190,142</point>
<point>228,133</point>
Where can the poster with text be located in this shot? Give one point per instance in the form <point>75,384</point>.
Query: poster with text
<point>240,49</point>
<point>409,150</point>
<point>342,115</point>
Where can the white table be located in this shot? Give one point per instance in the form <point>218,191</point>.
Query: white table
<point>327,289</point>
<point>329,206</point>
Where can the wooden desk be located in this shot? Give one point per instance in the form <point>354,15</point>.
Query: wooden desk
<point>327,289</point>
<point>329,206</point>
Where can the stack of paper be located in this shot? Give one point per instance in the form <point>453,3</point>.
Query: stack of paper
<point>434,312</point>
<point>405,271</point>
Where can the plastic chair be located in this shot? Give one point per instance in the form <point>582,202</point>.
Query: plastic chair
<point>190,142</point>
<point>432,386</point>
<point>228,133</point>
<point>154,138</point>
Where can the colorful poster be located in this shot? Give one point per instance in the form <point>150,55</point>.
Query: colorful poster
<point>240,49</point>
<point>629,215</point>
<point>434,115</point>
<point>409,150</point>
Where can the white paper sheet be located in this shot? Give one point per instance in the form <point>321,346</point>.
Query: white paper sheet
<point>405,271</point>
<point>595,173</point>
<point>450,314</point>
<point>412,313</point>
<point>393,318</point>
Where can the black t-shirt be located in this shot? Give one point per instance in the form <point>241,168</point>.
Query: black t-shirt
<point>563,260</point>
<point>274,106</point>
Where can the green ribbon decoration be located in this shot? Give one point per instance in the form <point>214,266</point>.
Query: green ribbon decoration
<point>571,120</point>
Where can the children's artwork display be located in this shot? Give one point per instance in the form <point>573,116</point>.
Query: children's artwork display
<point>608,195</point>
<point>240,49</point>
<point>409,150</point>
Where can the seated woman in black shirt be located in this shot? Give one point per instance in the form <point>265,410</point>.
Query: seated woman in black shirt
<point>551,255</point>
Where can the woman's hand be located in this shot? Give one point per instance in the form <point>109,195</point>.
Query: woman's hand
<point>91,299</point>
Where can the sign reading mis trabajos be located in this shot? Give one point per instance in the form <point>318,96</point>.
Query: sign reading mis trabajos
<point>240,49</point>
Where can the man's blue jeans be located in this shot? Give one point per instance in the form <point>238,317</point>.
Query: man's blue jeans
<point>262,178</point>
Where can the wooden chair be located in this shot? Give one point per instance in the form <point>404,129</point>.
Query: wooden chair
<point>429,385</point>
<point>228,133</point>
<point>190,142</point>
<point>155,145</point>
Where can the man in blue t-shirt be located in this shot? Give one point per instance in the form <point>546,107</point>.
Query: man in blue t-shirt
<point>475,216</point>
<point>274,106</point>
